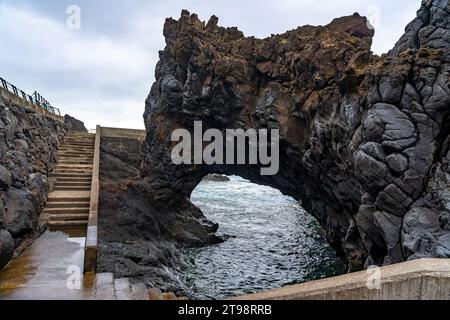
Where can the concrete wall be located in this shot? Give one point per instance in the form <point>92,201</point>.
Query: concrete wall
<point>425,279</point>
<point>123,133</point>
<point>25,103</point>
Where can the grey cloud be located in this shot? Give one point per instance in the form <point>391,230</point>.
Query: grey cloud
<point>103,72</point>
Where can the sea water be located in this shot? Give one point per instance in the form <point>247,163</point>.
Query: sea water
<point>271,242</point>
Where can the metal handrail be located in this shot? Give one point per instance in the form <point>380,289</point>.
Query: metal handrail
<point>35,99</point>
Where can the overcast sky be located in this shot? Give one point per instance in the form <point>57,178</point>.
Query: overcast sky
<point>103,72</point>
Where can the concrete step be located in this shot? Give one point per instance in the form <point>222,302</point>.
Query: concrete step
<point>66,146</point>
<point>66,211</point>
<point>68,204</point>
<point>81,166</point>
<point>69,217</point>
<point>83,187</point>
<point>78,140</point>
<point>104,286</point>
<point>75,139</point>
<point>139,292</point>
<point>74,155</point>
<point>170,296</point>
<point>76,147</point>
<point>73,179</point>
<point>71,175</point>
<point>122,288</point>
<point>57,188</point>
<point>68,199</point>
<point>80,137</point>
<point>75,160</point>
<point>72,172</point>
<point>54,225</point>
<point>155,294</point>
<point>77,150</point>
<point>78,144</point>
<point>76,166</point>
<point>73,184</point>
<point>81,140</point>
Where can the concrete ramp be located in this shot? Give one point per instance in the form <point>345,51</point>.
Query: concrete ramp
<point>425,279</point>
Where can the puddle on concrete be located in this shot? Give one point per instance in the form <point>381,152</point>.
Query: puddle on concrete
<point>43,267</point>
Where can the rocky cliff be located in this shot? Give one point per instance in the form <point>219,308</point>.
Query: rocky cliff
<point>29,145</point>
<point>364,139</point>
<point>134,238</point>
<point>73,124</point>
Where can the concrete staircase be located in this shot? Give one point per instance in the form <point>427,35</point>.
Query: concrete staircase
<point>41,272</point>
<point>67,208</point>
<point>103,286</point>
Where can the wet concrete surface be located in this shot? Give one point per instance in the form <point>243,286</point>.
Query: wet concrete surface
<point>47,270</point>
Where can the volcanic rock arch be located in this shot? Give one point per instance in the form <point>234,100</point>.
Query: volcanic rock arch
<point>364,139</point>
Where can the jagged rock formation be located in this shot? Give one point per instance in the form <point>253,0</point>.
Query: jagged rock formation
<point>28,153</point>
<point>364,139</point>
<point>134,238</point>
<point>74,125</point>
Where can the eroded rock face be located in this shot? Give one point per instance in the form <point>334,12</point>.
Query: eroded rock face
<point>28,153</point>
<point>364,139</point>
<point>135,239</point>
<point>74,125</point>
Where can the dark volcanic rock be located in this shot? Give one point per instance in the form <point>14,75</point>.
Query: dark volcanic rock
<point>136,239</point>
<point>22,211</point>
<point>28,153</point>
<point>217,177</point>
<point>73,124</point>
<point>364,139</point>
<point>6,247</point>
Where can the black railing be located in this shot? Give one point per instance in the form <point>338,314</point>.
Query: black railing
<point>35,99</point>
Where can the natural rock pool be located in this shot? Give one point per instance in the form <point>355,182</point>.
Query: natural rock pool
<point>273,242</point>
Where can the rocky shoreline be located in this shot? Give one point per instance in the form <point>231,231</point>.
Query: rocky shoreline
<point>364,144</point>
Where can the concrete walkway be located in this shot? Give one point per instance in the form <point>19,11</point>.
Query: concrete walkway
<point>52,268</point>
<point>423,279</point>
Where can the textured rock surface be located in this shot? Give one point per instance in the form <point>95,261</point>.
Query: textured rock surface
<point>73,124</point>
<point>135,239</point>
<point>28,153</point>
<point>364,139</point>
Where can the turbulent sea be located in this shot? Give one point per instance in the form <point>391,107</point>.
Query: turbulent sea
<point>272,242</point>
